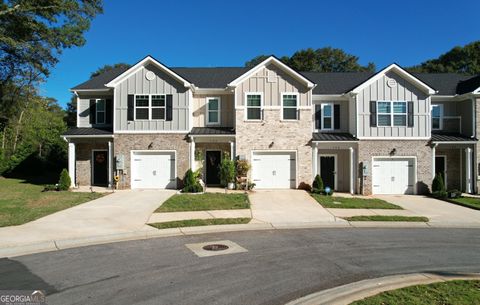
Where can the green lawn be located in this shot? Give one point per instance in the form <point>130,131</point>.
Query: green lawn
<point>204,202</point>
<point>21,202</point>
<point>444,293</point>
<point>199,222</point>
<point>353,203</point>
<point>470,202</point>
<point>386,218</point>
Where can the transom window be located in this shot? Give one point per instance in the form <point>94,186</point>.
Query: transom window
<point>254,106</point>
<point>150,107</point>
<point>213,110</point>
<point>391,113</point>
<point>100,111</point>
<point>327,116</point>
<point>289,104</point>
<point>437,116</point>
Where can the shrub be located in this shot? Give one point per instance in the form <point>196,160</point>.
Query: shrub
<point>50,187</point>
<point>227,171</point>
<point>454,194</point>
<point>64,182</point>
<point>242,168</point>
<point>191,183</point>
<point>250,185</point>
<point>440,194</point>
<point>317,185</point>
<point>438,185</point>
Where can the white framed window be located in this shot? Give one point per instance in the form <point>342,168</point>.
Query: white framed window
<point>290,106</point>
<point>100,109</point>
<point>391,113</point>
<point>213,110</point>
<point>253,106</point>
<point>437,117</point>
<point>327,116</point>
<point>150,107</point>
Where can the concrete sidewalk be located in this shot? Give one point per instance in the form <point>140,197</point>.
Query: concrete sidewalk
<point>174,216</point>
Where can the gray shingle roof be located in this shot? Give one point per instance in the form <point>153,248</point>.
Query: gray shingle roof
<point>327,83</point>
<point>87,131</point>
<point>212,131</point>
<point>332,136</point>
<point>450,137</point>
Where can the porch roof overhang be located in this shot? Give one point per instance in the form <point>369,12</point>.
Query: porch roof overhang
<point>451,138</point>
<point>212,131</point>
<point>87,132</point>
<point>320,137</point>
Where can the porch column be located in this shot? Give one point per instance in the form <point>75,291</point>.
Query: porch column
<point>71,163</point>
<point>434,148</point>
<point>314,160</point>
<point>232,150</point>
<point>110,164</point>
<point>468,170</point>
<point>352,170</point>
<point>192,154</point>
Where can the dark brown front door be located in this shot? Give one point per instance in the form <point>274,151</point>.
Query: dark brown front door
<point>100,168</point>
<point>213,162</point>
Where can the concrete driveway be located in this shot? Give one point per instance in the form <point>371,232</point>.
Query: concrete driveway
<point>438,211</point>
<point>120,212</point>
<point>288,207</point>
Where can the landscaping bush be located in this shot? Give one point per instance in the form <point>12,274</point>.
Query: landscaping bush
<point>191,183</point>
<point>438,185</point>
<point>440,194</point>
<point>250,185</point>
<point>454,194</point>
<point>242,168</point>
<point>317,185</point>
<point>50,188</point>
<point>227,171</point>
<point>64,182</point>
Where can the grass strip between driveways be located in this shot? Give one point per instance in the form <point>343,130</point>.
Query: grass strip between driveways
<point>21,202</point>
<point>452,292</point>
<point>204,202</point>
<point>386,218</point>
<point>353,203</point>
<point>199,222</point>
<point>469,202</point>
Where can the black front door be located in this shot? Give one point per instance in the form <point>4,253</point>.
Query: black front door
<point>100,168</point>
<point>213,162</point>
<point>327,171</point>
<point>440,166</point>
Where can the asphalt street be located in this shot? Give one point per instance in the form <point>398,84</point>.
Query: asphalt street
<point>279,266</point>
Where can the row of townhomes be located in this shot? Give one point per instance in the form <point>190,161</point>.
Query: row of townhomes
<point>368,133</point>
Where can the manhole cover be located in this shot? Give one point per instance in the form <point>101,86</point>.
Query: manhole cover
<point>215,247</point>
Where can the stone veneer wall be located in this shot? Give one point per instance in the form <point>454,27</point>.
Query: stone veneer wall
<point>83,155</point>
<point>124,143</point>
<point>285,135</point>
<point>419,148</point>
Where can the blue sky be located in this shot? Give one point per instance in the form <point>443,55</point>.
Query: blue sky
<point>228,33</point>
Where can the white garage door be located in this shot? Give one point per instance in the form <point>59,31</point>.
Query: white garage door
<point>153,170</point>
<point>274,170</point>
<point>393,176</point>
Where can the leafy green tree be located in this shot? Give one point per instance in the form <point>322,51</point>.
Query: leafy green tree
<point>459,59</point>
<point>64,182</point>
<point>71,112</point>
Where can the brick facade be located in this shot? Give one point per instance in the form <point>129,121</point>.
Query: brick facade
<point>412,148</point>
<point>124,143</point>
<point>83,164</point>
<point>275,134</point>
<point>454,166</point>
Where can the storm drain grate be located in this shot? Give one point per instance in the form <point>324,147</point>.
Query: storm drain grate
<point>215,247</point>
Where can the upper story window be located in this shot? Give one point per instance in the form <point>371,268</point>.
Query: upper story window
<point>289,106</point>
<point>437,117</point>
<point>391,113</point>
<point>150,107</point>
<point>254,102</point>
<point>213,110</point>
<point>100,111</point>
<point>327,116</point>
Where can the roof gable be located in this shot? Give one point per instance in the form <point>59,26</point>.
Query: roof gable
<point>402,73</point>
<point>272,60</point>
<point>143,63</point>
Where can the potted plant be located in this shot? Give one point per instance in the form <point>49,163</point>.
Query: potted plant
<point>227,173</point>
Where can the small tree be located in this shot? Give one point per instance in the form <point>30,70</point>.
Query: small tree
<point>227,171</point>
<point>191,183</point>
<point>438,184</point>
<point>64,182</point>
<point>317,185</point>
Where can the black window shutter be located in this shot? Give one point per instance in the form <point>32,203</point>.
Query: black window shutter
<point>131,108</point>
<point>410,114</point>
<point>109,111</point>
<point>336,116</point>
<point>169,115</point>
<point>373,113</point>
<point>93,111</point>
<point>318,116</point>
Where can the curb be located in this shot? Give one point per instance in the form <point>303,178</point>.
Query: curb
<point>62,244</point>
<point>346,294</point>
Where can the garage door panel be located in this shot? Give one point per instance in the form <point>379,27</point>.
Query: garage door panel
<point>274,169</point>
<point>393,176</point>
<point>153,170</point>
